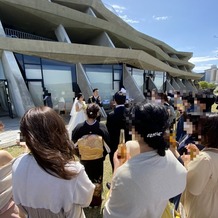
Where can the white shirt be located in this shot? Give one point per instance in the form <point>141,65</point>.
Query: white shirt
<point>143,185</point>
<point>35,188</point>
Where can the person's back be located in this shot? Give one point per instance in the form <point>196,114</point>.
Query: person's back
<point>169,108</point>
<point>48,182</point>
<point>145,184</point>
<point>39,192</point>
<point>117,120</point>
<point>200,197</point>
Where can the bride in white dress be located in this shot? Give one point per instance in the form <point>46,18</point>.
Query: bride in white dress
<point>78,113</point>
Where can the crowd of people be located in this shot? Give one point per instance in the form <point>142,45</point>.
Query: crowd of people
<point>172,159</point>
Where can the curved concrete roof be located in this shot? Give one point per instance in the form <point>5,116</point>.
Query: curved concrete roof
<point>42,18</point>
<point>89,54</point>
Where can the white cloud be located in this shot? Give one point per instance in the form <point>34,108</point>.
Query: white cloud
<point>128,20</point>
<point>118,8</point>
<point>203,63</point>
<point>120,12</point>
<point>158,18</point>
<point>215,51</point>
<point>203,59</point>
<point>202,67</point>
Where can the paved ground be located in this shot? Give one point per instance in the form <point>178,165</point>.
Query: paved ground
<point>9,135</point>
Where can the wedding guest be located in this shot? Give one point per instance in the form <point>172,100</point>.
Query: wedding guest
<point>48,100</point>
<point>90,137</point>
<point>117,120</point>
<point>47,181</point>
<point>8,209</point>
<point>200,197</point>
<point>143,185</point>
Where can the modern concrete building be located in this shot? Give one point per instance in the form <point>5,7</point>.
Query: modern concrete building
<point>63,47</point>
<point>211,75</point>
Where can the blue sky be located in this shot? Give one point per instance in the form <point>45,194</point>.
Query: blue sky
<point>185,25</point>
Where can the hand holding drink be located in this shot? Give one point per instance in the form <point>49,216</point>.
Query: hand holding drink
<point>122,150</point>
<point>193,151</point>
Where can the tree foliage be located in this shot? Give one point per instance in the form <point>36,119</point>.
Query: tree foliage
<point>206,85</point>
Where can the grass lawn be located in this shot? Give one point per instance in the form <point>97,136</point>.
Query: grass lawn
<point>90,213</point>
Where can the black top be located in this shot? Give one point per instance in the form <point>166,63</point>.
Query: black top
<point>97,100</point>
<point>117,120</point>
<point>97,128</point>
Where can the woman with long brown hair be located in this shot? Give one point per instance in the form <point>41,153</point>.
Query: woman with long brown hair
<point>48,182</point>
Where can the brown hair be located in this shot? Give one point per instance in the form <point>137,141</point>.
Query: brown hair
<point>92,111</point>
<point>208,130</point>
<point>47,138</point>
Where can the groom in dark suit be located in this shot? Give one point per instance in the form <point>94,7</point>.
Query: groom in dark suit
<point>116,120</point>
<point>95,98</point>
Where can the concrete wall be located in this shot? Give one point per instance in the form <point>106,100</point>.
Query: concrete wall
<point>61,34</point>
<point>104,40</point>
<point>89,11</point>
<point>2,32</point>
<point>132,88</point>
<point>189,86</point>
<point>85,85</point>
<point>21,99</point>
<point>181,85</point>
<point>167,87</point>
<point>175,84</point>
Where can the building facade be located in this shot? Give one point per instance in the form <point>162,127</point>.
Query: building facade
<point>62,47</point>
<point>211,75</point>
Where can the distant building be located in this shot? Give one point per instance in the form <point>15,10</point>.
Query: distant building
<point>211,75</point>
<point>64,47</point>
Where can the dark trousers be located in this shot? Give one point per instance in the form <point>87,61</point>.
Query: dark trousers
<point>94,170</point>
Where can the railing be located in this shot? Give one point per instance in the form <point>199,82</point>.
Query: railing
<point>22,35</point>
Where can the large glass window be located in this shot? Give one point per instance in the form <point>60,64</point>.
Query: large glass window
<point>2,76</point>
<point>159,79</point>
<point>101,77</point>
<point>43,75</point>
<point>35,89</point>
<point>33,71</point>
<point>138,76</point>
<point>31,60</point>
<point>58,81</point>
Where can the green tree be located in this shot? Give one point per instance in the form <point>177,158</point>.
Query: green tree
<point>203,84</point>
<point>211,86</point>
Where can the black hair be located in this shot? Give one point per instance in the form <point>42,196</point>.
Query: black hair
<point>150,122</point>
<point>92,110</point>
<point>206,97</point>
<point>79,95</point>
<point>95,89</point>
<point>120,97</point>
